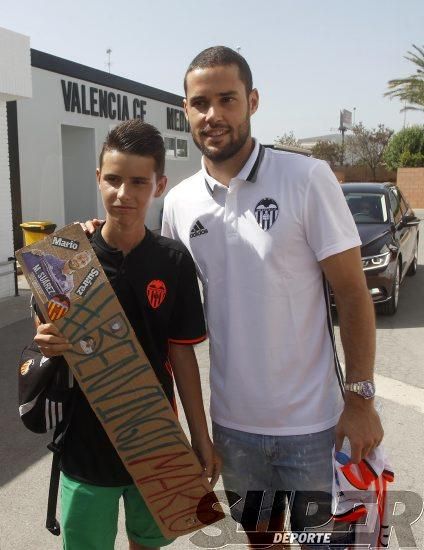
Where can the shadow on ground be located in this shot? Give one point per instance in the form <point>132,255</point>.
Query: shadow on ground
<point>19,448</point>
<point>410,313</point>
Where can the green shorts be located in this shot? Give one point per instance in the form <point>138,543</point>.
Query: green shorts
<point>89,516</point>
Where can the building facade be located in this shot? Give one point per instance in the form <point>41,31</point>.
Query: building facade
<point>15,84</point>
<point>60,132</point>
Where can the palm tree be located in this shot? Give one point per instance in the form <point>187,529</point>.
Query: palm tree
<point>410,89</point>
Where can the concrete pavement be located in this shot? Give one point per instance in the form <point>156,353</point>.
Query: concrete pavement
<point>26,462</point>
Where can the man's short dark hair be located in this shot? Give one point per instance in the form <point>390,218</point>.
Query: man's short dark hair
<point>218,56</point>
<point>136,137</point>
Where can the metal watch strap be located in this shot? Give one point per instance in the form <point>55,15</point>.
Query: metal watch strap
<point>354,387</point>
<point>364,388</point>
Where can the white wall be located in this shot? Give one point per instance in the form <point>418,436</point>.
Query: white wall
<point>15,66</point>
<point>40,148</point>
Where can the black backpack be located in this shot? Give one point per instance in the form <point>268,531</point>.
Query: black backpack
<point>45,404</point>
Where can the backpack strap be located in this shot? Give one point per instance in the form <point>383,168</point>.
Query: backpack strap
<point>51,522</point>
<point>56,446</point>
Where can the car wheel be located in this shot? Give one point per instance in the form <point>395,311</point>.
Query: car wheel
<point>413,267</point>
<point>390,307</point>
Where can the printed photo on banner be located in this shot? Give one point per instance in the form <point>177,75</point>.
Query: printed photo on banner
<point>54,275</point>
<point>88,345</point>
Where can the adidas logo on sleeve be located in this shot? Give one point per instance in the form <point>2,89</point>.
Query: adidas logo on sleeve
<point>197,230</point>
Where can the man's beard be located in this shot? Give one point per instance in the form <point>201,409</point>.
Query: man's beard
<point>229,150</point>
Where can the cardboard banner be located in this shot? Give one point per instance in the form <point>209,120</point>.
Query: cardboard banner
<point>72,290</point>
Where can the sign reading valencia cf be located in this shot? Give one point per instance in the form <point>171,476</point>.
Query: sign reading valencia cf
<point>118,381</point>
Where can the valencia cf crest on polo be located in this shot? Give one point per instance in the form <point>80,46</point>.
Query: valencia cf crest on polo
<point>266,213</point>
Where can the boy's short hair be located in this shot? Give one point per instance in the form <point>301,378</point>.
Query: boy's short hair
<point>221,55</point>
<point>136,137</point>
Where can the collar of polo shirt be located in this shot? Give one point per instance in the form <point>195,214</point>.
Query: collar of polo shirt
<point>247,173</point>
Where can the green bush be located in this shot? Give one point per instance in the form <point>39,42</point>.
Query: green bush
<point>406,148</point>
<point>411,160</point>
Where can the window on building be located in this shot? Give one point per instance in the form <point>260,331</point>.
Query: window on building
<point>176,147</point>
<point>182,148</point>
<point>169,146</point>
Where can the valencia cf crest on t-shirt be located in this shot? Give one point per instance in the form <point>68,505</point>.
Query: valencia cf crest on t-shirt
<point>156,292</point>
<point>266,213</point>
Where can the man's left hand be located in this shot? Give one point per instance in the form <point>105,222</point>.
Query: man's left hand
<point>361,424</point>
<point>208,458</point>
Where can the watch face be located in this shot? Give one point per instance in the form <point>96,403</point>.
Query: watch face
<point>367,389</point>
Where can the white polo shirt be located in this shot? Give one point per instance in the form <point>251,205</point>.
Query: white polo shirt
<point>256,245</point>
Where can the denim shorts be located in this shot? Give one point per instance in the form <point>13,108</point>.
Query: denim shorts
<point>265,475</point>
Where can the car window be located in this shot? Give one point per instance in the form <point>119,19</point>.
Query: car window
<point>367,207</point>
<point>395,205</point>
<point>403,205</point>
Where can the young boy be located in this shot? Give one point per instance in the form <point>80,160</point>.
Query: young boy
<point>155,281</point>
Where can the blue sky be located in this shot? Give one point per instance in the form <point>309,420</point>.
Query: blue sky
<point>309,59</point>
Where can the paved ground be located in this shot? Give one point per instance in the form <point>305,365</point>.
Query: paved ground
<point>25,460</point>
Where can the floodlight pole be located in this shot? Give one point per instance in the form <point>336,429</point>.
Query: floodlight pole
<point>108,51</point>
<point>342,129</point>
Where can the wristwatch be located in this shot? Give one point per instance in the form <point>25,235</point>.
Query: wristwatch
<point>364,388</point>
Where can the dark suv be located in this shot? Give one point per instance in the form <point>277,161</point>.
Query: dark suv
<point>389,232</point>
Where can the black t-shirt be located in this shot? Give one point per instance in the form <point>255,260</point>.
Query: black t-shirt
<point>157,287</point>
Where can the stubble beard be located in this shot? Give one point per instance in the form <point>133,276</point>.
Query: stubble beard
<point>229,150</point>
